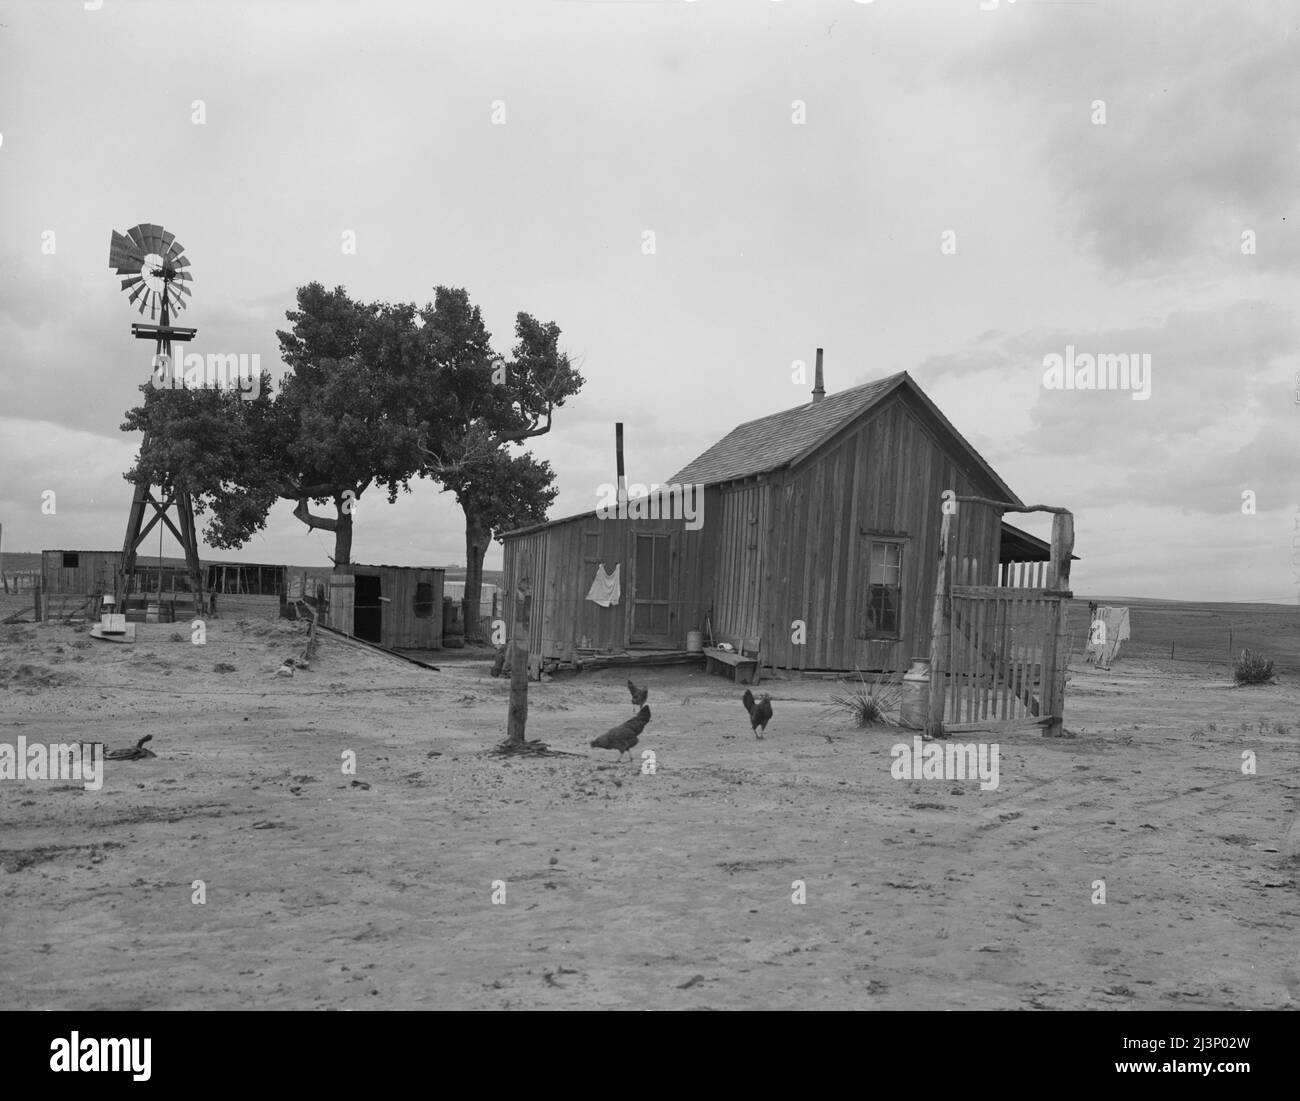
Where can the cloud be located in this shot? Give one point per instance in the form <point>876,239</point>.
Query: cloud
<point>1201,140</point>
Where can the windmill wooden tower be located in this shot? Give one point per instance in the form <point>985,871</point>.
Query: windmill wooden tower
<point>152,263</point>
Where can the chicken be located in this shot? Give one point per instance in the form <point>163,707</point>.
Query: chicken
<point>760,714</point>
<point>624,737</point>
<point>135,753</point>
<point>639,695</point>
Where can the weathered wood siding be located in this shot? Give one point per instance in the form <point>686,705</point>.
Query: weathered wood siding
<point>742,535</point>
<point>882,477</point>
<point>242,606</point>
<point>564,557</point>
<point>94,572</point>
<point>399,626</point>
<point>342,596</point>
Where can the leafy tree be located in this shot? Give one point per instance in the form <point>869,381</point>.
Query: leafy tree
<point>376,394</point>
<point>474,404</point>
<point>341,422</point>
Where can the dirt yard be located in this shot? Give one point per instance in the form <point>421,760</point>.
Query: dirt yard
<point>624,890</point>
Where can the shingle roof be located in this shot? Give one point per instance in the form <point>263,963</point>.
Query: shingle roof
<point>772,441</point>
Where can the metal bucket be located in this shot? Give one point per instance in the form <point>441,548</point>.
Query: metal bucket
<point>694,642</point>
<point>914,705</point>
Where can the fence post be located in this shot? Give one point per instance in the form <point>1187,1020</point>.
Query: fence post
<point>1057,657</point>
<point>517,717</point>
<point>940,633</point>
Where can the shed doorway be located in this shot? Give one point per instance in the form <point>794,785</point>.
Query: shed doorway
<point>368,610</point>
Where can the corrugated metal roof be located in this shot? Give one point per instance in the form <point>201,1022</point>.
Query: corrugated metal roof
<point>772,441</point>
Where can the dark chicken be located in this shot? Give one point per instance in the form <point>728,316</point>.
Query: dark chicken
<point>760,713</point>
<point>639,695</point>
<point>624,737</point>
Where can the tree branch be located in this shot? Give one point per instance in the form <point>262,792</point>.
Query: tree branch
<point>312,520</point>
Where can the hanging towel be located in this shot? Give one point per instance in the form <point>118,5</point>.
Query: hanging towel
<point>605,589</point>
<point>1105,650</point>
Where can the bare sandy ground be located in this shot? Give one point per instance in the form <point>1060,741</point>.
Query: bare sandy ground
<point>626,890</point>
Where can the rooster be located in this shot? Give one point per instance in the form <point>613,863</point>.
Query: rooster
<point>760,714</point>
<point>639,695</point>
<point>624,737</point>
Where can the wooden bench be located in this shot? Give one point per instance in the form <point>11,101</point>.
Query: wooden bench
<point>741,666</point>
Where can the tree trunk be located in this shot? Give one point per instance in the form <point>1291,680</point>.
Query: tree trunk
<point>340,525</point>
<point>477,538</point>
<point>343,536</point>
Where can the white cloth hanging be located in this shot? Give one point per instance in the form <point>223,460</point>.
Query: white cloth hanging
<point>605,590</point>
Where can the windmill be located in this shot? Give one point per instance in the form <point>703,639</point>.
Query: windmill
<point>153,265</point>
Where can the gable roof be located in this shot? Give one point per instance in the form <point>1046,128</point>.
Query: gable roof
<point>756,447</point>
<point>782,439</point>
<point>785,438</point>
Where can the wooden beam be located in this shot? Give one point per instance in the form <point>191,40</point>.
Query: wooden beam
<point>1007,506</point>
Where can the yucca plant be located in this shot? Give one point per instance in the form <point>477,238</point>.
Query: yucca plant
<point>1252,669</point>
<point>870,704</point>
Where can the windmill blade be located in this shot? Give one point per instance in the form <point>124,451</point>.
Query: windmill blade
<point>136,233</point>
<point>182,277</point>
<point>143,288</point>
<point>132,281</point>
<point>124,256</point>
<point>182,288</point>
<point>168,238</point>
<point>181,262</point>
<point>152,235</point>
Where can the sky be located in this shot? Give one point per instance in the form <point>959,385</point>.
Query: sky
<point>961,190</point>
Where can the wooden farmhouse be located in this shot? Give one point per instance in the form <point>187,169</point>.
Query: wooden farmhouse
<point>395,606</point>
<point>817,551</point>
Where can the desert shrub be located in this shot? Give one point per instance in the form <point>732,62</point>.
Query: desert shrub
<point>870,704</point>
<point>1252,669</point>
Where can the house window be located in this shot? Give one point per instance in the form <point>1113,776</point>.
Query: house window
<point>423,600</point>
<point>882,615</point>
<point>591,546</point>
<point>71,560</point>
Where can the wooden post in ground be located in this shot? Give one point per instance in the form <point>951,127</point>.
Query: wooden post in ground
<point>517,718</point>
<point>1056,658</point>
<point>940,633</point>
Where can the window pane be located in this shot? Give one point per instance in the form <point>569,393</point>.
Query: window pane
<point>877,562</point>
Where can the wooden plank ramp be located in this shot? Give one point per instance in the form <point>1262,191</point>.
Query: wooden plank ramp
<point>362,643</point>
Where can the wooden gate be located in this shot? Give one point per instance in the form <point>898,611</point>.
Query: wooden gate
<point>998,652</point>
